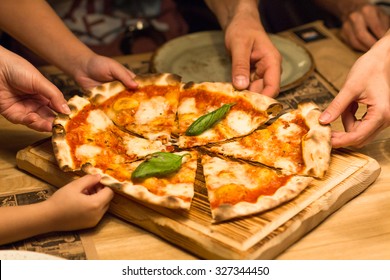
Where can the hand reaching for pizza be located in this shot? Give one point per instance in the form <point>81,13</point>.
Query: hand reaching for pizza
<point>256,62</point>
<point>95,70</point>
<point>79,204</point>
<point>367,84</point>
<point>26,97</point>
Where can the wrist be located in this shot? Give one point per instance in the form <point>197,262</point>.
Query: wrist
<point>77,62</point>
<point>50,216</point>
<point>245,13</point>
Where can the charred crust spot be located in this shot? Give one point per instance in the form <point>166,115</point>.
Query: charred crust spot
<point>88,93</point>
<point>66,167</point>
<point>173,79</point>
<point>188,85</point>
<point>72,108</point>
<point>116,186</point>
<point>86,166</point>
<point>62,117</point>
<point>58,131</point>
<point>96,99</point>
<point>274,109</point>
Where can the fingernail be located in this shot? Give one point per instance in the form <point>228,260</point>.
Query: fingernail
<point>324,117</point>
<point>66,109</point>
<point>241,81</point>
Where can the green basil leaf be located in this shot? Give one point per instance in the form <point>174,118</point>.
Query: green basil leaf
<point>207,121</point>
<point>159,164</point>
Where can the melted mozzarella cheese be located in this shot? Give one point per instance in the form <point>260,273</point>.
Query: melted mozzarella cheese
<point>187,106</point>
<point>220,173</point>
<point>150,110</point>
<point>99,121</point>
<point>87,151</point>
<point>234,148</point>
<point>285,164</point>
<point>141,147</point>
<point>240,122</point>
<point>289,132</point>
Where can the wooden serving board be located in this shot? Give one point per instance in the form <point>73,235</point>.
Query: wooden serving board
<point>261,236</point>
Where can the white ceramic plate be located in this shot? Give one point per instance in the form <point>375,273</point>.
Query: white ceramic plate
<point>25,255</point>
<point>201,57</point>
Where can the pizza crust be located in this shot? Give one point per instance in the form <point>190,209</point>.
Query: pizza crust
<point>316,144</point>
<point>286,193</point>
<point>261,102</point>
<point>61,147</point>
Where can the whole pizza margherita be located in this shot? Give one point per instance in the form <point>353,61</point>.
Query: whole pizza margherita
<point>150,142</point>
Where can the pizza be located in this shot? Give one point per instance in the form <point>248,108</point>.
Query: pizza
<point>247,111</point>
<point>151,143</point>
<point>295,143</point>
<point>237,188</point>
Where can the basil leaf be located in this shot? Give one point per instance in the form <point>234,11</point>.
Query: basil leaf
<point>159,164</point>
<point>207,121</point>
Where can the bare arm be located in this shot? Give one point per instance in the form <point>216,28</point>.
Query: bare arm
<point>80,204</point>
<point>225,10</point>
<point>36,25</point>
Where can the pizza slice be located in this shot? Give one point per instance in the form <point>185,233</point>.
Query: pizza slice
<point>88,136</point>
<point>237,189</point>
<point>295,143</point>
<point>214,112</point>
<point>168,181</point>
<point>148,111</point>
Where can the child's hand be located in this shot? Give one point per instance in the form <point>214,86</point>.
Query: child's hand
<point>79,204</point>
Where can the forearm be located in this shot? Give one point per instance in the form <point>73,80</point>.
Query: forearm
<point>37,26</point>
<point>21,222</point>
<point>226,10</point>
<point>341,9</point>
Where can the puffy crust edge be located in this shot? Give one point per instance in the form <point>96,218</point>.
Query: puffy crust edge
<point>61,148</point>
<point>289,191</point>
<point>316,144</point>
<point>101,93</point>
<point>259,101</point>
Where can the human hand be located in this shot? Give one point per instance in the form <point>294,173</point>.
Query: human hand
<point>26,96</point>
<point>256,63</point>
<point>79,204</point>
<point>95,70</point>
<point>368,83</point>
<point>365,26</point>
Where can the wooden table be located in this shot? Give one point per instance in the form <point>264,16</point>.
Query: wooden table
<point>359,230</point>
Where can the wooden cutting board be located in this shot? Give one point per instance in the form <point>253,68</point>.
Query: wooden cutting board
<point>261,236</point>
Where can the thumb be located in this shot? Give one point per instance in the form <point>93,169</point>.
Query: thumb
<point>339,104</point>
<point>52,93</point>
